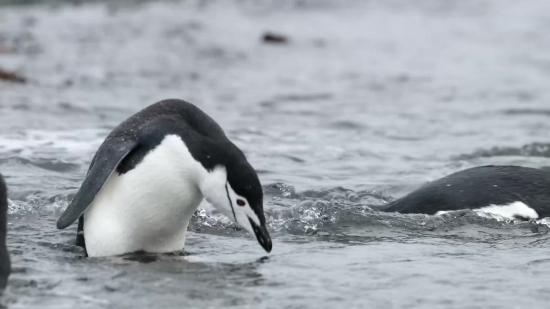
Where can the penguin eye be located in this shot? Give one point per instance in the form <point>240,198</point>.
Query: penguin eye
<point>241,202</point>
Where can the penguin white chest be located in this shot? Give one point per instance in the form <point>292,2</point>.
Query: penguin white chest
<point>147,208</point>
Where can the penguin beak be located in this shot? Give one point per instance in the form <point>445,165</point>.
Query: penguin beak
<point>262,235</point>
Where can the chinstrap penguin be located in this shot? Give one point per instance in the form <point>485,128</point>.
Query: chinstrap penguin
<point>509,191</point>
<point>5,266</point>
<point>150,175</point>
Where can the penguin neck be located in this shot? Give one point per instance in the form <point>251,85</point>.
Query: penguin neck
<point>212,185</point>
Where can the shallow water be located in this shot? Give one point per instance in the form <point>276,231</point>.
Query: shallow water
<point>367,101</point>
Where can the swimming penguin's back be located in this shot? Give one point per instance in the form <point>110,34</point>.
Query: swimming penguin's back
<point>524,191</point>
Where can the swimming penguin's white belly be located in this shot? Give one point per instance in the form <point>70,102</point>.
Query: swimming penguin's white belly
<point>147,208</point>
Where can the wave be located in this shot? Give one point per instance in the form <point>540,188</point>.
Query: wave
<point>342,215</point>
<point>335,214</point>
<point>54,165</point>
<point>529,150</point>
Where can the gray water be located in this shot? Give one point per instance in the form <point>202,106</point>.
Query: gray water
<point>365,102</point>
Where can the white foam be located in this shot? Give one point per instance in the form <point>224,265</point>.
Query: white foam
<point>507,211</point>
<point>544,221</point>
<point>81,143</point>
<point>510,211</point>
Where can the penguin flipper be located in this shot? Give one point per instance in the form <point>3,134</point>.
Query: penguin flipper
<point>108,157</point>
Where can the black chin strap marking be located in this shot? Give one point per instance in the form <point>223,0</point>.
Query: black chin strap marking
<point>231,203</point>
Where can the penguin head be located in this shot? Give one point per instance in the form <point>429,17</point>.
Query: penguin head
<point>235,190</point>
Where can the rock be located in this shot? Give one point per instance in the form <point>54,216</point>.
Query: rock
<point>275,38</point>
<point>12,77</point>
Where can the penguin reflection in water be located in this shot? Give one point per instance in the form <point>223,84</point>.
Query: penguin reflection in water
<point>150,175</point>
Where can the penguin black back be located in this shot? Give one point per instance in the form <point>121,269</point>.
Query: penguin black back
<point>5,265</point>
<point>480,187</point>
<point>164,117</point>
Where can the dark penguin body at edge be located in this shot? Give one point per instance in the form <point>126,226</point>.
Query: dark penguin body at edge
<point>168,144</point>
<point>5,266</point>
<point>524,191</point>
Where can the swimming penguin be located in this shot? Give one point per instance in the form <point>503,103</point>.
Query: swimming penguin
<point>5,266</point>
<point>512,192</point>
<point>150,175</point>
